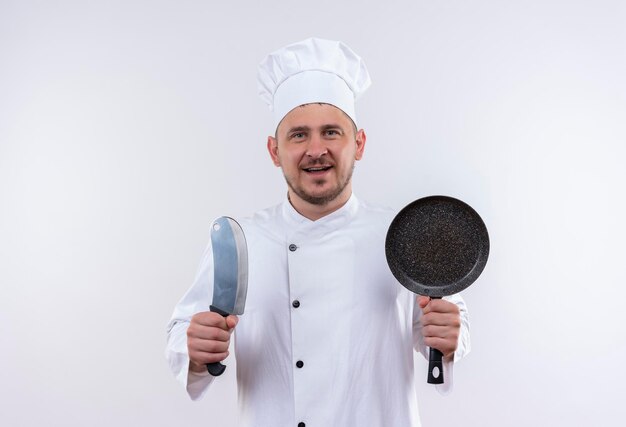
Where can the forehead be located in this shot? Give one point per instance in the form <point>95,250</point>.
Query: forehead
<point>314,115</point>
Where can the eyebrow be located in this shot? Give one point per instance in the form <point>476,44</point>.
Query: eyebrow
<point>332,126</point>
<point>298,129</point>
<point>307,128</point>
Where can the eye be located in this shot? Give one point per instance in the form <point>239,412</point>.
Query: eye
<point>332,132</point>
<point>297,135</point>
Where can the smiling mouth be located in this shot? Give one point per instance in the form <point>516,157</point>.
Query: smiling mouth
<point>317,169</point>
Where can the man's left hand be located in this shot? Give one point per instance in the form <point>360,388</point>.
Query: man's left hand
<point>441,325</point>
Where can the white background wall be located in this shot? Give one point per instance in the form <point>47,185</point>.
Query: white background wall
<point>127,126</point>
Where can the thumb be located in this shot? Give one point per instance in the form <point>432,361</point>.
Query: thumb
<point>422,301</point>
<point>231,321</point>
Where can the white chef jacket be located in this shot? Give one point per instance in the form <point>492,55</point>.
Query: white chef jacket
<point>342,355</point>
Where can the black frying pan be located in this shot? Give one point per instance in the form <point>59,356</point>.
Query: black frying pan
<point>437,246</point>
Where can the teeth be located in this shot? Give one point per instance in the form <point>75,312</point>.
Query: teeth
<point>317,169</point>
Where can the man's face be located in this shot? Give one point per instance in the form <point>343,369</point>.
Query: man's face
<point>316,147</point>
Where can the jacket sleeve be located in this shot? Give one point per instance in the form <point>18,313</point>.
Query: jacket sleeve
<point>463,344</point>
<point>197,299</point>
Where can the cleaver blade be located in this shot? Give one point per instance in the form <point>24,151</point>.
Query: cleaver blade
<point>230,272</point>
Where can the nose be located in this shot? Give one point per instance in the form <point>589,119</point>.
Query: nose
<point>316,147</point>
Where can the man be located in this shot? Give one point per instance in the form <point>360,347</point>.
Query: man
<point>328,335</point>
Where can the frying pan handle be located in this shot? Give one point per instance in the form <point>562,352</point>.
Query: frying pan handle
<point>435,364</point>
<point>435,367</point>
<point>216,368</point>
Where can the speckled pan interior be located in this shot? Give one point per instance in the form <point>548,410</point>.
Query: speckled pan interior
<point>437,246</point>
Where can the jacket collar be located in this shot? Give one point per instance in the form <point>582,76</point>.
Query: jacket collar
<point>334,220</point>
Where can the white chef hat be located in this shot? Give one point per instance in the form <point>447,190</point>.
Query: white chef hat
<point>313,70</point>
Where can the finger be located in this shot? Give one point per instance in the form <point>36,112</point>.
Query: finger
<point>208,346</point>
<point>440,306</point>
<point>217,357</point>
<point>207,333</point>
<point>446,346</point>
<point>446,332</point>
<point>441,319</point>
<point>203,358</point>
<point>208,318</point>
<point>231,321</point>
<point>422,301</point>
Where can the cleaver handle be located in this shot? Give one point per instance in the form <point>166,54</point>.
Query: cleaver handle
<point>435,364</point>
<point>216,368</point>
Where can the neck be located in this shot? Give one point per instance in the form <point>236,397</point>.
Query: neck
<point>315,212</point>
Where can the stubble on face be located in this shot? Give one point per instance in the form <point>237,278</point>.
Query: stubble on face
<point>326,197</point>
<point>342,180</point>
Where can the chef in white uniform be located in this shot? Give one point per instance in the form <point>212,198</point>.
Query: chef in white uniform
<point>328,336</point>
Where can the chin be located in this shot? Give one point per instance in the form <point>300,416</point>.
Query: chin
<point>321,198</point>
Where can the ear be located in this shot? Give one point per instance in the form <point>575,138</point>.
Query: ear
<point>272,148</point>
<point>360,144</point>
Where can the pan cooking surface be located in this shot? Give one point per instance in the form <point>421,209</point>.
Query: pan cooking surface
<point>437,246</point>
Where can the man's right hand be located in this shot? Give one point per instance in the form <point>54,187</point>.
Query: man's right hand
<point>208,338</point>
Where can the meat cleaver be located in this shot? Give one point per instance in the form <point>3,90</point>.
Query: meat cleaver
<point>230,273</point>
